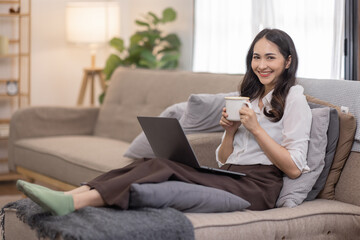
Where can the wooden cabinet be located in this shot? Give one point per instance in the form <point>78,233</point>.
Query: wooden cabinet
<point>15,52</point>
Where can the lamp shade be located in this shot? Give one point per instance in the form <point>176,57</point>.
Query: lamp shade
<point>92,22</point>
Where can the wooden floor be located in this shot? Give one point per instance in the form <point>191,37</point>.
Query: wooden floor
<point>8,188</point>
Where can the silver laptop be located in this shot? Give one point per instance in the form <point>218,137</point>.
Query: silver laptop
<point>168,140</point>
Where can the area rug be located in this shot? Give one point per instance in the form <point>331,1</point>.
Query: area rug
<point>104,223</point>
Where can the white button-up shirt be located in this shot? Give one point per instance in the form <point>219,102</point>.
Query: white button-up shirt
<point>291,132</point>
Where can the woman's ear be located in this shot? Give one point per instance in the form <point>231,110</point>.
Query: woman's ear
<point>288,62</point>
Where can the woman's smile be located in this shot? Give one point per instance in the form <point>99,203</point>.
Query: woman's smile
<point>265,74</point>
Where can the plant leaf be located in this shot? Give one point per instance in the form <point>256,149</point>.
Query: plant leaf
<point>118,44</point>
<point>168,15</point>
<point>173,56</point>
<point>173,40</point>
<point>101,97</point>
<point>135,39</point>
<point>156,19</point>
<point>148,59</point>
<point>170,65</point>
<point>141,23</point>
<point>147,55</point>
<point>112,63</point>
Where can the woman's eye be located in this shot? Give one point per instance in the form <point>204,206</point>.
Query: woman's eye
<point>271,58</point>
<point>256,57</point>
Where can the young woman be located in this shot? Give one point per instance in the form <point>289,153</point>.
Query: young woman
<point>269,140</point>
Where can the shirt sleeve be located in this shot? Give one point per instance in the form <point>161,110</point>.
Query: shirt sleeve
<point>296,127</point>
<point>220,164</point>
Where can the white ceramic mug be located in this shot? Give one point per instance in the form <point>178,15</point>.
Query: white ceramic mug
<point>233,106</point>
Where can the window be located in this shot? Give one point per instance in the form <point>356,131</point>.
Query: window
<point>224,30</point>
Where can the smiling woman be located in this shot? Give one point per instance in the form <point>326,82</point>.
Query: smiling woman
<point>224,29</point>
<point>268,63</point>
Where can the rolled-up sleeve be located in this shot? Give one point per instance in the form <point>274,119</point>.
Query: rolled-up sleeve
<point>296,127</point>
<point>220,164</point>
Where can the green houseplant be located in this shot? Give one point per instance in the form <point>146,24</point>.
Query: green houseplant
<point>148,48</point>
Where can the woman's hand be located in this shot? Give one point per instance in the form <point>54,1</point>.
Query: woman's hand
<point>248,119</point>
<point>229,126</point>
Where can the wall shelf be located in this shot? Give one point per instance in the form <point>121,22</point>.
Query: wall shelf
<point>9,2</point>
<point>14,14</point>
<point>17,29</point>
<point>8,96</point>
<point>14,55</point>
<point>9,79</point>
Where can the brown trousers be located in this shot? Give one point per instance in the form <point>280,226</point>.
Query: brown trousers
<point>261,185</point>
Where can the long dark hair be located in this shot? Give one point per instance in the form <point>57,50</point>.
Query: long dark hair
<point>251,85</point>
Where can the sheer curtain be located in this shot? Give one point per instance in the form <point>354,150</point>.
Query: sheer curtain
<point>224,30</point>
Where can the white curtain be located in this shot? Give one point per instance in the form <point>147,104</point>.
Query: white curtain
<point>224,30</point>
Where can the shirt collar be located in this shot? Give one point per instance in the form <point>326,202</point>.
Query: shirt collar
<point>267,98</point>
<point>266,101</point>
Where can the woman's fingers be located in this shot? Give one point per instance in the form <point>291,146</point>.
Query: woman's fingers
<point>225,122</point>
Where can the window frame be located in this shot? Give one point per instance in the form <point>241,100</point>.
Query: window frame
<point>351,49</point>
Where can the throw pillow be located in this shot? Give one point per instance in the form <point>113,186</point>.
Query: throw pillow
<point>343,148</point>
<point>140,146</point>
<point>332,139</point>
<point>203,112</point>
<point>294,191</point>
<point>185,197</point>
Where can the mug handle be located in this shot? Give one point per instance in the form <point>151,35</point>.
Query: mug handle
<point>248,104</point>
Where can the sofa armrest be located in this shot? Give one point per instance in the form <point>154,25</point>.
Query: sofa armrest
<point>35,122</point>
<point>204,146</point>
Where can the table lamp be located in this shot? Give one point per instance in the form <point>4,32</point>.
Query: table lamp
<point>92,24</point>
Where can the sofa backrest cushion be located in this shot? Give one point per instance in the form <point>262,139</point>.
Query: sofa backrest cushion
<point>346,136</point>
<point>294,191</point>
<point>140,146</point>
<point>339,93</point>
<point>134,92</point>
<point>332,140</point>
<point>347,189</point>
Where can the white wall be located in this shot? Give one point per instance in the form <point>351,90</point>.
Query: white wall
<point>56,66</point>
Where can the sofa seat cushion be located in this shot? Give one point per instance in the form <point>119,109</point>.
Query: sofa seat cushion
<point>70,157</point>
<point>318,219</point>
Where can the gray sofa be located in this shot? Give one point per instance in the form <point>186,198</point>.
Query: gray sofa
<point>67,146</point>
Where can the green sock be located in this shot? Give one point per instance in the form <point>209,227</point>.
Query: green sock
<point>55,202</point>
<point>20,186</point>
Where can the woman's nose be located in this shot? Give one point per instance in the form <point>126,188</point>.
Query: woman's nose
<point>262,64</point>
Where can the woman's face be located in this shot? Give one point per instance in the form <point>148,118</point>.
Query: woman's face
<point>268,63</point>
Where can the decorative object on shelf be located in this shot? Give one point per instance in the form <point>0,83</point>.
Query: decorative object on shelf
<point>13,11</point>
<point>4,45</point>
<point>92,24</point>
<point>149,48</point>
<point>12,88</point>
